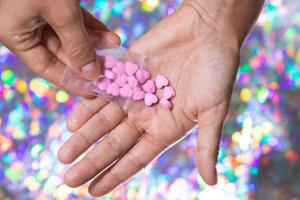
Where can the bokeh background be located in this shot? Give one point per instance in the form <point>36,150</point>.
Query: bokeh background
<point>259,154</point>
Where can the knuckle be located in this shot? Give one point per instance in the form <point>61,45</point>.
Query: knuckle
<point>117,177</point>
<point>83,138</point>
<point>92,162</point>
<point>158,141</point>
<point>89,108</point>
<point>136,161</point>
<point>115,111</point>
<point>115,144</point>
<point>105,120</point>
<point>80,50</point>
<point>111,115</point>
<point>205,153</point>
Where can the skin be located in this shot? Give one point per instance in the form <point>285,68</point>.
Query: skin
<point>197,48</point>
<point>49,35</point>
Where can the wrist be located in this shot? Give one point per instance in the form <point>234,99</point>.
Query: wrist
<point>232,19</point>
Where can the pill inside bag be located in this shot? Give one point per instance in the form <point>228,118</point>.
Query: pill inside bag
<point>125,79</point>
<point>74,80</point>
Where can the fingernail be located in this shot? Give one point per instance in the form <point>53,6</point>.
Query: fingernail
<point>89,67</point>
<point>91,70</point>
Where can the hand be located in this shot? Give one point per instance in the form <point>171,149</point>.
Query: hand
<point>200,60</point>
<point>50,34</point>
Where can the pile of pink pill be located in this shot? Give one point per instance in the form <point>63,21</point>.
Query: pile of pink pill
<point>128,80</point>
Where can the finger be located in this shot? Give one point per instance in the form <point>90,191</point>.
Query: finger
<point>69,27</point>
<point>94,129</point>
<point>91,22</point>
<point>83,111</point>
<point>46,65</point>
<point>136,159</point>
<point>99,39</point>
<point>209,136</point>
<point>114,145</point>
<point>99,35</point>
<point>53,44</point>
<point>103,39</point>
<point>207,151</point>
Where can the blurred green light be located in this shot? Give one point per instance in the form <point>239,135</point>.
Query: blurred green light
<point>245,68</point>
<point>12,174</point>
<point>262,94</point>
<point>8,77</point>
<point>36,150</point>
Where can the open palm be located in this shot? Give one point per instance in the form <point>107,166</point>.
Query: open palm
<point>201,65</point>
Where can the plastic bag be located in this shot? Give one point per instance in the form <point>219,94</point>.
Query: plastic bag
<point>126,80</point>
<point>73,79</point>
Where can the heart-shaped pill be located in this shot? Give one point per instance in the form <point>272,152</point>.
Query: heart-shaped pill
<point>132,81</point>
<point>142,75</point>
<point>109,61</point>
<point>138,94</point>
<point>108,64</point>
<point>161,81</point>
<point>168,92</point>
<point>149,86</point>
<point>113,89</point>
<point>150,99</point>
<point>126,91</point>
<point>103,83</point>
<point>121,80</point>
<point>109,74</point>
<point>166,104</point>
<point>119,68</point>
<point>110,58</point>
<point>131,68</point>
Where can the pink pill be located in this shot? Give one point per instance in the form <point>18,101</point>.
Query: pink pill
<point>166,104</point>
<point>138,94</point>
<point>113,89</point>
<point>168,92</point>
<point>103,83</point>
<point>161,81</point>
<point>150,99</point>
<point>126,91</point>
<point>109,61</point>
<point>110,58</point>
<point>149,86</point>
<point>142,75</point>
<point>119,68</point>
<point>131,68</point>
<point>132,81</point>
<point>109,74</point>
<point>121,80</point>
<point>108,64</point>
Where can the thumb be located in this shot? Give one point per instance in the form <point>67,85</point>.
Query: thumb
<point>75,42</point>
<point>207,152</point>
<point>208,141</point>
